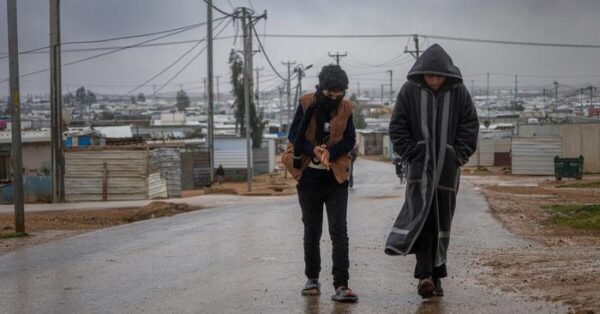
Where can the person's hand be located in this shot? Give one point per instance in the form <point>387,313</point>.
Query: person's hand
<point>325,158</point>
<point>318,151</point>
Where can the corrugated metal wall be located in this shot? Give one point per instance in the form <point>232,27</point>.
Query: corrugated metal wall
<point>231,153</point>
<point>484,155</point>
<point>168,162</point>
<point>582,139</point>
<point>196,170</point>
<point>502,145</point>
<point>157,186</point>
<point>535,155</point>
<point>126,175</point>
<point>530,130</point>
<point>260,160</point>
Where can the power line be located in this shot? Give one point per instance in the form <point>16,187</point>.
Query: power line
<point>466,39</point>
<point>336,35</point>
<point>169,66</point>
<point>265,54</point>
<point>167,43</point>
<point>187,27</point>
<point>386,63</point>
<point>187,64</point>
<point>192,26</point>
<point>105,53</point>
<point>508,42</point>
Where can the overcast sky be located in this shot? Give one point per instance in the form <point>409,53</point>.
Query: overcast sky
<point>562,21</point>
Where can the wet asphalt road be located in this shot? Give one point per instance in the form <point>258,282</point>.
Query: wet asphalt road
<point>247,258</point>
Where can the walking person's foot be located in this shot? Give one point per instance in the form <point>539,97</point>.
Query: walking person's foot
<point>438,291</point>
<point>312,287</point>
<point>426,287</point>
<point>344,294</point>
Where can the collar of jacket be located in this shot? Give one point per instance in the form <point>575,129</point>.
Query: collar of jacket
<point>337,124</point>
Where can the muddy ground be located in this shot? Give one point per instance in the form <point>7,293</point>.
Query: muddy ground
<point>45,226</point>
<point>564,267</point>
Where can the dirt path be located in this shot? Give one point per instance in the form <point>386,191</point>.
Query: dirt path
<point>564,267</point>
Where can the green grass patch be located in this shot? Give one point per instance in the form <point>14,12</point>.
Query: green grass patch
<point>581,185</point>
<point>578,216</point>
<point>13,235</point>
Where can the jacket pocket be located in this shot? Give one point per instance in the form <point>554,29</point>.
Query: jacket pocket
<point>416,164</point>
<point>451,167</point>
<point>451,153</point>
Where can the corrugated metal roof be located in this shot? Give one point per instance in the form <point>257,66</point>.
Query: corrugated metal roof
<point>121,131</point>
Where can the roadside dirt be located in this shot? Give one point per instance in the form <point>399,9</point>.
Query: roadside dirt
<point>276,184</point>
<point>564,268</point>
<point>52,225</point>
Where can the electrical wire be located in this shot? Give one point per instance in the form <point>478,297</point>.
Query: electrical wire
<point>265,53</point>
<point>465,39</point>
<point>169,66</point>
<point>102,54</point>
<point>189,62</point>
<point>187,27</point>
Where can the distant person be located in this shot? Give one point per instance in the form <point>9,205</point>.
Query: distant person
<point>354,156</point>
<point>434,127</point>
<point>220,175</point>
<point>320,140</point>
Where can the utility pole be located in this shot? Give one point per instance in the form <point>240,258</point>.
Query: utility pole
<point>217,77</point>
<point>488,97</point>
<point>391,88</point>
<point>257,96</point>
<point>211,125</point>
<point>56,130</point>
<point>248,26</point>
<point>280,89</point>
<point>516,93</point>
<point>544,91</point>
<point>382,85</point>
<point>15,106</point>
<point>299,70</point>
<point>414,53</point>
<point>337,56</point>
<point>289,92</point>
<point>556,93</point>
<point>472,87</point>
<point>246,22</point>
<point>358,86</point>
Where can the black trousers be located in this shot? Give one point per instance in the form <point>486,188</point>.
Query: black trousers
<point>335,197</point>
<point>425,249</point>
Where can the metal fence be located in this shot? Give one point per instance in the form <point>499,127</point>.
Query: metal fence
<point>109,175</point>
<point>535,155</point>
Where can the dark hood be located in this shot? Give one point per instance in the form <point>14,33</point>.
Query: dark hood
<point>435,60</point>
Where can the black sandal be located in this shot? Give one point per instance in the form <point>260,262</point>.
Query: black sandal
<point>312,288</point>
<point>426,287</point>
<point>344,294</point>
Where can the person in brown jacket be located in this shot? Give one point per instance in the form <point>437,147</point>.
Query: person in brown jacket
<point>320,139</point>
